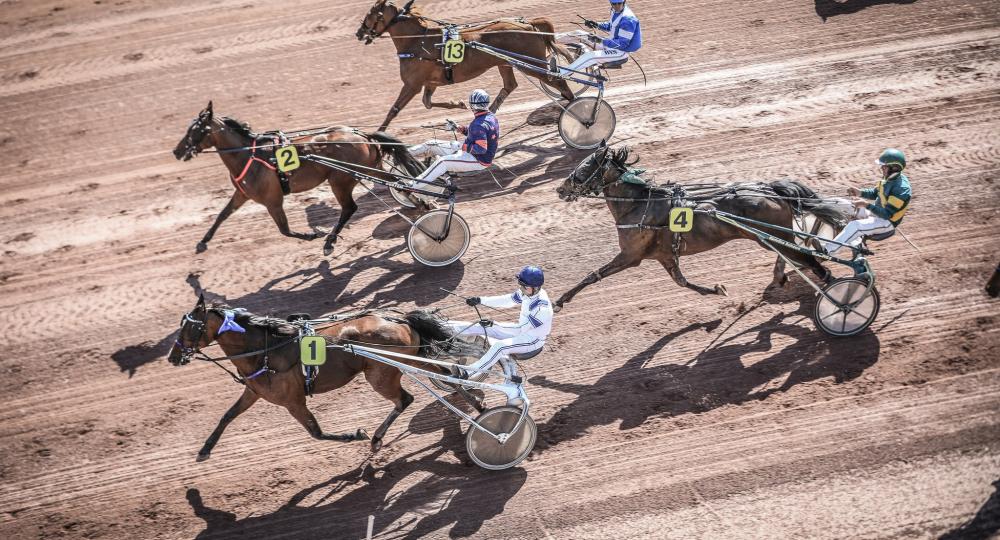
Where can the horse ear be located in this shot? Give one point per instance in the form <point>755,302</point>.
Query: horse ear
<point>209,108</point>
<point>406,7</point>
<point>604,143</point>
<point>201,301</point>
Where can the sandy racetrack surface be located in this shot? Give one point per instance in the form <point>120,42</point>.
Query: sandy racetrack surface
<point>661,413</point>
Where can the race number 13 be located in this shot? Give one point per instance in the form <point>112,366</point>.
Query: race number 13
<point>312,350</point>
<point>681,220</point>
<point>454,51</point>
<point>288,158</point>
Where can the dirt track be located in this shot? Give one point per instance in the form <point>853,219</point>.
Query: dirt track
<point>661,413</point>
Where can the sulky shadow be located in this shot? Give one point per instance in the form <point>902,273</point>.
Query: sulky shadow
<point>831,8</point>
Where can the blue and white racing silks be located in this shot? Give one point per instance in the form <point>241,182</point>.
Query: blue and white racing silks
<point>624,29</point>
<point>536,313</point>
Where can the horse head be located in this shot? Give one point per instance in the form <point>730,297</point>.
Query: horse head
<point>600,170</point>
<point>195,334</point>
<point>380,18</point>
<point>196,138</point>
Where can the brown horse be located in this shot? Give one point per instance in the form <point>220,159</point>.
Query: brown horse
<point>632,202</point>
<point>421,66</point>
<point>255,178</point>
<point>265,353</point>
<point>993,286</point>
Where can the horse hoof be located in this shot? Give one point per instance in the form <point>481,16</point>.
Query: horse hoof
<point>557,308</point>
<point>201,247</point>
<point>328,249</point>
<point>203,456</point>
<point>361,435</point>
<point>721,290</point>
<point>376,444</point>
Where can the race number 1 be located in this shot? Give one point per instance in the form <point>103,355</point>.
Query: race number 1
<point>288,158</point>
<point>454,51</point>
<point>681,220</point>
<point>312,350</point>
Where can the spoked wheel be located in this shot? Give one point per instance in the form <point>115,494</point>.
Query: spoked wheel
<point>576,128</point>
<point>489,453</point>
<point>851,310</point>
<point>401,197</point>
<point>447,387</point>
<point>431,251</point>
<point>578,89</point>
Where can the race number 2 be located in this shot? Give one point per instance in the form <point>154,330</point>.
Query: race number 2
<point>454,51</point>
<point>681,220</point>
<point>312,350</point>
<point>288,158</point>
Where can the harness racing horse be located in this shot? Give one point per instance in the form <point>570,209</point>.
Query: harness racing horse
<point>641,212</point>
<point>265,352</point>
<point>993,286</point>
<point>256,178</point>
<point>420,58</point>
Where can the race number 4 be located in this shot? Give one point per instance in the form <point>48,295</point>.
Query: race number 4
<point>312,350</point>
<point>288,158</point>
<point>681,220</point>
<point>454,51</point>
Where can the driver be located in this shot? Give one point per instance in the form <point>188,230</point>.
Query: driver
<point>625,37</point>
<point>524,337</point>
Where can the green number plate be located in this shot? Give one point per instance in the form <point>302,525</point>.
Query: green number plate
<point>454,51</point>
<point>681,220</point>
<point>312,350</point>
<point>288,158</point>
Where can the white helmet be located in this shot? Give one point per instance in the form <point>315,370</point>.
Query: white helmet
<point>479,100</point>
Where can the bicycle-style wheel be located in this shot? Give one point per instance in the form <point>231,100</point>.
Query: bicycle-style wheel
<point>448,247</point>
<point>850,308</point>
<point>489,453</point>
<point>581,128</point>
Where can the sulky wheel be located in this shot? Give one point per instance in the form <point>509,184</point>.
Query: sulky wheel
<point>401,197</point>
<point>578,89</point>
<point>851,311</point>
<point>447,387</point>
<point>431,251</point>
<point>578,131</point>
<point>489,453</point>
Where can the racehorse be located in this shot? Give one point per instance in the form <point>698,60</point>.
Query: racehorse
<point>993,286</point>
<point>256,178</point>
<point>641,212</point>
<point>421,64</point>
<point>265,352</point>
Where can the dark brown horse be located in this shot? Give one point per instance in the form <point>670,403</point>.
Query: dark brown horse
<point>606,174</point>
<point>421,66</point>
<point>254,178</point>
<point>993,286</point>
<point>271,368</point>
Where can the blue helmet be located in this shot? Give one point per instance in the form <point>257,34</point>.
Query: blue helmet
<point>531,276</point>
<point>479,100</point>
<point>617,1</point>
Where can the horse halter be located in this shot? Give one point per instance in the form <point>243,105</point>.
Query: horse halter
<point>369,34</point>
<point>591,186</point>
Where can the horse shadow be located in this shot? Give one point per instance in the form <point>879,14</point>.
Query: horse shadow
<point>984,524</point>
<point>446,494</point>
<point>316,290</point>
<point>831,8</point>
<point>713,378</point>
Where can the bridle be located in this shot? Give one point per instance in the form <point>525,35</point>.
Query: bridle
<point>188,353</point>
<point>369,34</point>
<point>594,184</point>
<point>199,128</point>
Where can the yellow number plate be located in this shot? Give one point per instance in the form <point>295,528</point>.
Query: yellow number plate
<point>454,51</point>
<point>288,158</point>
<point>312,351</point>
<point>681,220</point>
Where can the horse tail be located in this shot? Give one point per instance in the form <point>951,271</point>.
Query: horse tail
<point>433,330</point>
<point>397,149</point>
<point>803,199</point>
<point>548,30</point>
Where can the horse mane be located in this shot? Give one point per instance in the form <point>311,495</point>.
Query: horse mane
<point>620,157</point>
<point>244,318</point>
<point>242,128</point>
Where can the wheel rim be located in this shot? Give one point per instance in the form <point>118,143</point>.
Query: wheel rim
<point>401,198</point>
<point>578,89</point>
<point>834,319</point>
<point>487,452</point>
<point>430,252</point>
<point>447,387</point>
<point>576,134</point>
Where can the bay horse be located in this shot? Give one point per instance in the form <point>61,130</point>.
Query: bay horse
<point>607,174</point>
<point>265,352</point>
<point>993,286</point>
<point>421,66</point>
<point>255,178</point>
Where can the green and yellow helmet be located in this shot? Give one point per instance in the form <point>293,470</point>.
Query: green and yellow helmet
<point>892,156</point>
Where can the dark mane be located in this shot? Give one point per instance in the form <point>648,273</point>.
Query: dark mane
<point>620,157</point>
<point>244,318</point>
<point>239,127</point>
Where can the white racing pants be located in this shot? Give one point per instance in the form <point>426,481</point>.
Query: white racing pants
<point>867,224</point>
<point>450,158</point>
<point>505,340</point>
<point>593,58</point>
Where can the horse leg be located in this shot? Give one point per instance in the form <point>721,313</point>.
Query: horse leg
<point>393,391</point>
<point>780,277</point>
<point>675,272</point>
<point>277,212</point>
<point>429,92</point>
<point>509,85</point>
<point>343,190</point>
<point>405,95</point>
<point>242,404</point>
<point>235,202</point>
<point>301,413</point>
<point>620,262</point>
